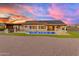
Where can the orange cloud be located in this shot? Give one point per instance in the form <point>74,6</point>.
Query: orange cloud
<point>8,10</point>
<point>20,17</point>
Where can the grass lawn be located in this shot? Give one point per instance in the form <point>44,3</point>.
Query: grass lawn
<point>72,35</point>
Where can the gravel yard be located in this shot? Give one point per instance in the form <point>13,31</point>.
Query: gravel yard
<point>38,46</point>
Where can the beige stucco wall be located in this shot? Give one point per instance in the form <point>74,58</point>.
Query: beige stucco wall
<point>56,29</point>
<point>28,29</point>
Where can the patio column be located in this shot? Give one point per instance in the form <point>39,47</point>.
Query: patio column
<point>65,28</point>
<point>55,28</point>
<point>23,28</point>
<point>46,28</point>
<point>27,29</point>
<point>14,28</point>
<point>37,28</point>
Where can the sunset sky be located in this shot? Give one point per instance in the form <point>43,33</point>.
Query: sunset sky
<point>69,13</point>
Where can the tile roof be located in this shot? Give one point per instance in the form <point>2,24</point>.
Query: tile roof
<point>53,22</point>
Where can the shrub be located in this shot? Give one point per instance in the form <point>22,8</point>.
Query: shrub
<point>2,28</point>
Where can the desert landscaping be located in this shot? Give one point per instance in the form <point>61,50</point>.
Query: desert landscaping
<point>38,46</point>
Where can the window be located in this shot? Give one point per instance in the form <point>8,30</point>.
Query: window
<point>42,27</point>
<point>25,26</point>
<point>50,27</point>
<point>32,27</point>
<point>58,26</point>
<point>62,28</point>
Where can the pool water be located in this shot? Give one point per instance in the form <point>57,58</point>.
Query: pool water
<point>41,32</point>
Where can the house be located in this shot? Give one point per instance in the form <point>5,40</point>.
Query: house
<point>15,26</point>
<point>38,27</point>
<point>45,27</point>
<point>8,22</point>
<point>15,22</point>
<point>12,23</point>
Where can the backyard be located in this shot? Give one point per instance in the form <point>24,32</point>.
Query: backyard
<point>20,44</point>
<point>38,46</point>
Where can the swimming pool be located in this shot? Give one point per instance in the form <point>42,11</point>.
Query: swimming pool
<point>41,32</point>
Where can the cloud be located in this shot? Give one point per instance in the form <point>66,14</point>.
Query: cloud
<point>35,10</point>
<point>64,12</point>
<point>8,10</point>
<point>55,12</point>
<point>68,21</point>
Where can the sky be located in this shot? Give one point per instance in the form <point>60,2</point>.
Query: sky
<point>67,12</point>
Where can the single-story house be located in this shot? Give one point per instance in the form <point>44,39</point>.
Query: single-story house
<point>13,22</point>
<point>45,27</point>
<point>38,27</point>
<point>15,26</point>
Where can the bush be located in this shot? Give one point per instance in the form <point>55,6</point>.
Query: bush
<point>2,29</point>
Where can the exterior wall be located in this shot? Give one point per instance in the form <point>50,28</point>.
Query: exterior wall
<point>61,28</point>
<point>14,28</point>
<point>50,27</point>
<point>19,28</point>
<point>9,28</point>
<point>46,28</point>
<point>36,29</point>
